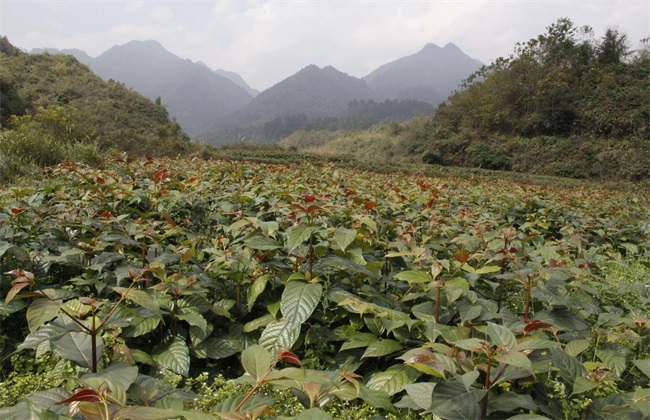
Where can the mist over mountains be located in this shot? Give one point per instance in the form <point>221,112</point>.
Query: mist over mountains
<point>219,106</point>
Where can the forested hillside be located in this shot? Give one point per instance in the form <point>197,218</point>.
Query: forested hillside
<point>567,103</point>
<point>55,109</point>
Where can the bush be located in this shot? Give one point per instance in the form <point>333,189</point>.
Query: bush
<point>486,156</point>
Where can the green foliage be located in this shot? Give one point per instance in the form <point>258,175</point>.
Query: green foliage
<point>320,290</point>
<point>55,110</point>
<point>563,104</point>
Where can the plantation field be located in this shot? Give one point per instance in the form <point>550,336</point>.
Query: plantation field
<point>197,289</point>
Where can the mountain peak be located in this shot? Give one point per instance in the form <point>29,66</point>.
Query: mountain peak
<point>452,46</point>
<point>431,47</point>
<point>429,75</point>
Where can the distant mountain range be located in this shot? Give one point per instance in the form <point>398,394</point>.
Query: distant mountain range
<point>204,101</point>
<point>430,75</point>
<point>192,93</point>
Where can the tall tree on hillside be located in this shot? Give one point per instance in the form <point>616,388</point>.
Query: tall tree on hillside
<point>613,48</point>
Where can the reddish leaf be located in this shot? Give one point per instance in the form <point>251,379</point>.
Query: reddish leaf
<point>289,357</point>
<point>106,214</point>
<point>310,198</point>
<point>299,207</point>
<point>462,256</point>
<point>23,276</point>
<point>536,325</point>
<point>14,290</point>
<point>83,395</point>
<point>370,205</point>
<point>18,211</point>
<point>313,209</point>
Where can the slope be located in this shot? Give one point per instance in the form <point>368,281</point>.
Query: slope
<point>193,94</point>
<point>59,103</point>
<point>430,75</point>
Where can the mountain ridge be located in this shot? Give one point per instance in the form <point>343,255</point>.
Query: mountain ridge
<point>429,75</point>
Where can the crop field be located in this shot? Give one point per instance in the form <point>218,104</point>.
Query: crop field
<point>198,289</point>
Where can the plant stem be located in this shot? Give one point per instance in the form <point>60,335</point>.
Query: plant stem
<point>437,317</point>
<point>93,345</point>
<point>255,387</point>
<point>486,386</point>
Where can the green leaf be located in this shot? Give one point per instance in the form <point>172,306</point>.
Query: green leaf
<point>311,414</point>
<point>173,355</point>
<point>117,378</point>
<point>297,235</point>
<point>382,348</point>
<point>471,344</point>
<point>260,322</point>
<point>144,326</point>
<point>510,401</point>
<point>47,400</point>
<point>414,276</point>
<point>562,318</point>
<point>299,300</point>
<point>344,237</point>
<point>515,358</point>
<point>40,311</point>
<point>569,367</point>
<point>421,393</point>
<point>223,307</point>
<point>643,366</point>
<point>575,347</point>
<point>216,348</point>
<point>583,384</point>
<point>256,289</point>
<point>256,361</point>
<point>77,347</point>
<point>393,379</point>
<point>488,269</point>
<point>261,242</point>
<point>279,335</point>
<point>468,379</point>
<point>141,357</point>
<point>462,406</point>
<point>377,398</point>
<point>359,340</point>
<point>469,312</point>
<point>154,413</point>
<point>501,336</point>
<point>614,360</point>
<point>193,318</point>
<point>140,297</point>
<point>536,344</point>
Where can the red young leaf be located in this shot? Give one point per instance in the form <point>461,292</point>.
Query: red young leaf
<point>310,198</point>
<point>370,205</point>
<point>536,325</point>
<point>313,208</point>
<point>14,290</point>
<point>83,395</point>
<point>18,211</point>
<point>462,256</point>
<point>289,357</point>
<point>23,276</point>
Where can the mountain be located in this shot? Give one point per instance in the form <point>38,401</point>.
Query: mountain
<point>69,113</point>
<point>81,56</point>
<point>238,80</point>
<point>429,75</point>
<point>312,91</point>
<point>194,95</point>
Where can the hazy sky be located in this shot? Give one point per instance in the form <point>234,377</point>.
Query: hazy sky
<point>267,41</point>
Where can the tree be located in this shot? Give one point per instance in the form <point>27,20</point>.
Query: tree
<point>613,48</point>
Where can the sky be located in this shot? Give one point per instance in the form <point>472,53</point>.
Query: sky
<point>268,41</point>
